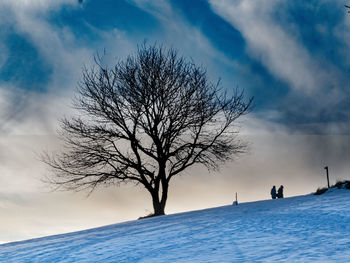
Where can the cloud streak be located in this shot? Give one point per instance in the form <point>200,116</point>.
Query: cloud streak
<point>314,84</point>
<point>269,43</point>
<point>35,112</point>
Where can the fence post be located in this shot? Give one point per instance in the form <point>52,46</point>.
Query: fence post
<point>327,175</point>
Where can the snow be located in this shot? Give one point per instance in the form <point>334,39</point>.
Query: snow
<point>298,229</point>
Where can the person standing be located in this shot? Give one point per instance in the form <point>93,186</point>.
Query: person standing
<point>280,192</point>
<point>273,192</point>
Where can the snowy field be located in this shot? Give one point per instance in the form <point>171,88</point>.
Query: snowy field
<point>298,229</point>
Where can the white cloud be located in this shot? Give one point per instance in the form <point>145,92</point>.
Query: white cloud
<point>30,112</point>
<point>36,5</point>
<point>190,41</point>
<point>58,47</point>
<point>268,42</point>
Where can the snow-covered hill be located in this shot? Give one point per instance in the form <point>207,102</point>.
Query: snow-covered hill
<point>299,229</point>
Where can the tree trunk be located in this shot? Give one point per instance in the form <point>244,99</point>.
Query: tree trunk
<point>158,206</point>
<point>165,187</point>
<point>159,203</point>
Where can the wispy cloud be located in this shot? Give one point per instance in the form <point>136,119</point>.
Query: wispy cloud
<point>315,86</point>
<point>269,43</point>
<point>33,111</point>
<point>36,5</point>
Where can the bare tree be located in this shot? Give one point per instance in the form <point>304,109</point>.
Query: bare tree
<point>144,121</point>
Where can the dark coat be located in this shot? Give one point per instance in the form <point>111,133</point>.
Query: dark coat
<point>280,192</point>
<point>273,192</point>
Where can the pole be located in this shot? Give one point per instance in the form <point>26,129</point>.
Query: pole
<point>236,199</point>
<point>327,175</point>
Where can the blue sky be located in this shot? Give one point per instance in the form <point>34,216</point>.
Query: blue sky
<point>292,56</point>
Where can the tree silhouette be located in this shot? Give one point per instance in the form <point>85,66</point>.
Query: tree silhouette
<point>145,121</point>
